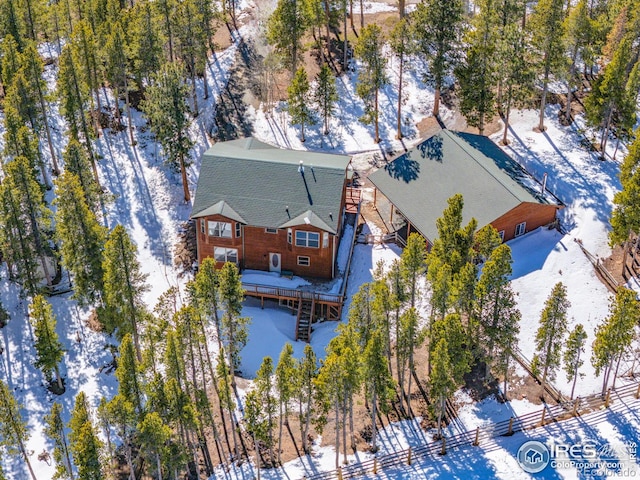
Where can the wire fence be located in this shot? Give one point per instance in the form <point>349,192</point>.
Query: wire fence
<point>549,414</point>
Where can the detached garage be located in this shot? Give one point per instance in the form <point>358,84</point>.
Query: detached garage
<point>495,188</point>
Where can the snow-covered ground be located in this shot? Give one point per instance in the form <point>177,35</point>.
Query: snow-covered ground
<point>148,202</point>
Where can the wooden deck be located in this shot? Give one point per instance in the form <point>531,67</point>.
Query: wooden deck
<point>352,200</point>
<point>309,306</point>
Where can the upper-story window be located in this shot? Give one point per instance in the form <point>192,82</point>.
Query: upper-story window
<point>521,228</point>
<point>501,233</point>
<point>271,230</point>
<point>219,229</point>
<point>307,239</point>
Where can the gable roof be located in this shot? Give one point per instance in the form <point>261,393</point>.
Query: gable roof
<point>420,182</point>
<point>261,185</point>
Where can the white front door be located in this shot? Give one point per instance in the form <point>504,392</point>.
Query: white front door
<point>274,262</point>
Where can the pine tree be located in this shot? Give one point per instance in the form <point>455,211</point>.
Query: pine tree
<point>128,374</point>
<point>84,50</point>
<point>124,285</point>
<point>626,212</point>
<point>263,385</point>
<point>75,220</point>
<point>477,74</point>
<point>154,435</point>
<point>412,264</point>
<point>13,429</point>
<point>26,220</point>
<point>408,337</point>
<point>76,162</point>
<point>615,335</point>
<point>573,353</point>
<point>550,334</point>
<point>400,44</point>
<point>122,415</point>
<point>325,95</point>
<point>371,76</point>
<point>378,380</point>
<point>305,373</point>
<point>233,326</point>
<point>285,29</point>
<point>299,98</point>
<point>164,15</point>
<point>441,382</point>
<point>84,443</point>
<point>437,28</point>
<point>11,61</point>
<point>207,294</point>
<point>450,328</point>
<point>144,42</point>
<point>49,350</point>
<point>546,25</point>
<point>167,110</point>
<point>55,430</point>
<point>284,380</point>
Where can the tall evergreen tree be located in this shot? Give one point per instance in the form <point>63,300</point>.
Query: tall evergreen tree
<point>441,382</point>
<point>77,162</point>
<point>130,386</point>
<point>234,327</point>
<point>124,284</point>
<point>412,264</point>
<point>84,50</point>
<point>299,98</point>
<point>13,428</point>
<point>154,435</point>
<point>55,430</point>
<point>371,77</point>
<point>285,29</point>
<point>167,110</point>
<point>408,337</point>
<point>75,220</point>
<point>305,373</point>
<point>26,220</point>
<point>284,380</point>
<point>573,355</point>
<point>437,29</point>
<point>399,41</point>
<point>615,335</point>
<point>626,212</point>
<point>49,352</point>
<point>550,334</point>
<point>546,24</point>
<point>325,95</point>
<point>84,443</point>
<point>144,42</point>
<point>263,385</point>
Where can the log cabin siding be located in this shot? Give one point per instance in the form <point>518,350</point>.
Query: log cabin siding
<point>534,214</point>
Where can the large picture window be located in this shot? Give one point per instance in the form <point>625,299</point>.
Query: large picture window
<point>223,254</point>
<point>219,229</point>
<point>307,239</point>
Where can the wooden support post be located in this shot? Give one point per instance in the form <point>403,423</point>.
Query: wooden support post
<point>476,442</point>
<point>375,466</point>
<point>339,473</point>
<point>576,402</point>
<point>607,400</point>
<point>444,446</point>
<point>409,457</point>
<point>262,303</point>
<point>544,412</point>
<point>375,198</point>
<point>510,431</point>
<point>408,228</point>
<point>638,392</point>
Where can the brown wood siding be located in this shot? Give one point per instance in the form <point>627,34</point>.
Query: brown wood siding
<point>534,214</point>
<point>207,243</point>
<point>255,244</point>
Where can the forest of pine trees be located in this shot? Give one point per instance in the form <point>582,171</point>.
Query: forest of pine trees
<point>177,403</point>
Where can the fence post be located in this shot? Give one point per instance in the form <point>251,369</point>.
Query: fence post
<point>409,457</point>
<point>444,446</point>
<point>476,441</point>
<point>544,411</point>
<point>576,402</point>
<point>607,399</point>
<point>339,473</point>
<point>510,431</point>
<point>375,466</point>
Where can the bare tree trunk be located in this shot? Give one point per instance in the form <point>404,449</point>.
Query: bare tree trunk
<point>399,133</point>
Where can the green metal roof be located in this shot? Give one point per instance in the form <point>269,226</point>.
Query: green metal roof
<point>261,185</point>
<point>420,182</point>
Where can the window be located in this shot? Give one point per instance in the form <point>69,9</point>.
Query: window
<point>325,240</point>
<point>220,229</point>
<point>271,230</point>
<point>307,239</point>
<point>501,233</point>
<point>238,229</point>
<point>304,261</point>
<point>520,228</point>
<point>222,254</point>
<point>289,235</point>
<point>202,220</point>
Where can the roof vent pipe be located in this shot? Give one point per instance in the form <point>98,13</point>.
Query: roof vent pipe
<point>301,168</point>
<point>544,183</point>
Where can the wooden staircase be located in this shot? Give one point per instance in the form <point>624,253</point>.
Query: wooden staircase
<point>306,309</point>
